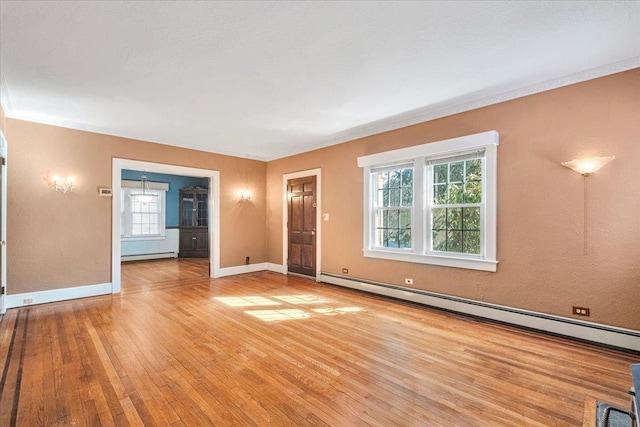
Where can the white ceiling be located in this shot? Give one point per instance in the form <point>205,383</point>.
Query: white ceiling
<point>268,79</point>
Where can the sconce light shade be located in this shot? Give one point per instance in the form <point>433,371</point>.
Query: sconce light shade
<point>588,166</point>
<point>62,184</point>
<point>245,196</point>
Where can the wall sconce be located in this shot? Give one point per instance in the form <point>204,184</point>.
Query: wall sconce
<point>587,167</point>
<point>245,196</point>
<point>62,183</point>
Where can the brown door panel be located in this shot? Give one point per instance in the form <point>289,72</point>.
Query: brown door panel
<point>302,225</point>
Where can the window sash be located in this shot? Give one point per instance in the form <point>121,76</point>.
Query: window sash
<point>141,220</point>
<point>431,205</point>
<point>377,210</point>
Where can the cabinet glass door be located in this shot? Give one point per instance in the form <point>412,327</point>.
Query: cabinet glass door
<point>201,213</point>
<point>188,204</point>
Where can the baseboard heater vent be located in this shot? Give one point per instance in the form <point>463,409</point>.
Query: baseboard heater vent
<point>589,331</point>
<point>141,257</point>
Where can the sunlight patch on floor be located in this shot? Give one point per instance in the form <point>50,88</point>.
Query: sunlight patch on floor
<point>272,315</point>
<point>302,299</point>
<point>336,311</point>
<point>247,301</point>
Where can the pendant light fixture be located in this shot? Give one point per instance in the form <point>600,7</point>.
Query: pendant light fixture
<point>145,196</point>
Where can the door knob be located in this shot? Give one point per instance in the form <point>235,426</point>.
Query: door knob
<point>313,232</point>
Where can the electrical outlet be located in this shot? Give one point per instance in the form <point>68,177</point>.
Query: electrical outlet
<point>345,271</point>
<point>581,311</point>
<point>27,301</point>
<point>408,281</point>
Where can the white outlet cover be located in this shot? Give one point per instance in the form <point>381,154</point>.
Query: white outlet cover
<point>325,216</point>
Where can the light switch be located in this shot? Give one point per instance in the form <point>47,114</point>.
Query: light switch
<point>325,216</point>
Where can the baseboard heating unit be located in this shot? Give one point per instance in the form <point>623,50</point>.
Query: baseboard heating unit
<point>141,257</point>
<point>588,331</point>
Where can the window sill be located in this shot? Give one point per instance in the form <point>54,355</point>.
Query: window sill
<point>141,238</point>
<point>445,261</point>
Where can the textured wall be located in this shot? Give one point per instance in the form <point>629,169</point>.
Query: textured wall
<point>57,241</point>
<point>540,203</point>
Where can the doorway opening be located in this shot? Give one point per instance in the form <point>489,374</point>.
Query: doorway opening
<point>301,241</point>
<point>208,219</point>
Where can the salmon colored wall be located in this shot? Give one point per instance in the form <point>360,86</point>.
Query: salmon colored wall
<point>540,203</point>
<point>57,240</point>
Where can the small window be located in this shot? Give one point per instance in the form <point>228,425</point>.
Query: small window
<point>140,220</point>
<point>434,203</point>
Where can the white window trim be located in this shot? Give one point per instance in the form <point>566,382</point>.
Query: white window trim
<point>162,188</point>
<point>419,254</point>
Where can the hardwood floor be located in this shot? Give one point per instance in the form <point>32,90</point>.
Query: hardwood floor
<point>267,349</point>
<point>142,276</point>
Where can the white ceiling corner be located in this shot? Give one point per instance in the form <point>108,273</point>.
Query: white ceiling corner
<point>269,79</point>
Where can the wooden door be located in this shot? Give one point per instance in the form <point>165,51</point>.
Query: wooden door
<point>302,225</point>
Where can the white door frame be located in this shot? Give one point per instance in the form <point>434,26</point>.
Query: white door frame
<point>214,214</point>
<point>3,224</point>
<point>285,217</point>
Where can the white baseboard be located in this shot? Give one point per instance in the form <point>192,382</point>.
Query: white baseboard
<point>241,269</point>
<point>596,332</point>
<point>276,268</point>
<point>41,297</point>
<point>148,256</point>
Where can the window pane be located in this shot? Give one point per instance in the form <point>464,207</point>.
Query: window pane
<point>439,219</point>
<point>405,238</point>
<point>405,219</point>
<point>473,192</point>
<point>439,240</point>
<point>393,239</point>
<point>471,219</point>
<point>454,219</point>
<point>473,169</point>
<point>393,228</point>
<point>407,196</point>
<point>393,219</point>
<point>471,242</point>
<point>395,188</point>
<point>456,171</point>
<point>440,173</point>
<point>407,177</point>
<point>455,193</point>
<point>394,197</point>
<point>454,241</point>
<point>440,194</point>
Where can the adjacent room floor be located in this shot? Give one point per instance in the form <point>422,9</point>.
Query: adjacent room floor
<point>267,349</point>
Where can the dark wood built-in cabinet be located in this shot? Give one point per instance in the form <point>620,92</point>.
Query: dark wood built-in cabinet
<point>194,222</point>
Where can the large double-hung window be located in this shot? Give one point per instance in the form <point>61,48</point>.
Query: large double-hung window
<point>434,203</point>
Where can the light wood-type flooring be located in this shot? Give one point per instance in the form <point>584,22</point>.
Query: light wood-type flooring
<point>267,349</point>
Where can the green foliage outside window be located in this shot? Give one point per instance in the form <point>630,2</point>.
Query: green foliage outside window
<point>457,228</point>
<point>394,190</point>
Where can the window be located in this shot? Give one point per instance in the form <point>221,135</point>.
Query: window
<point>143,220</point>
<point>434,203</point>
<point>393,206</point>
